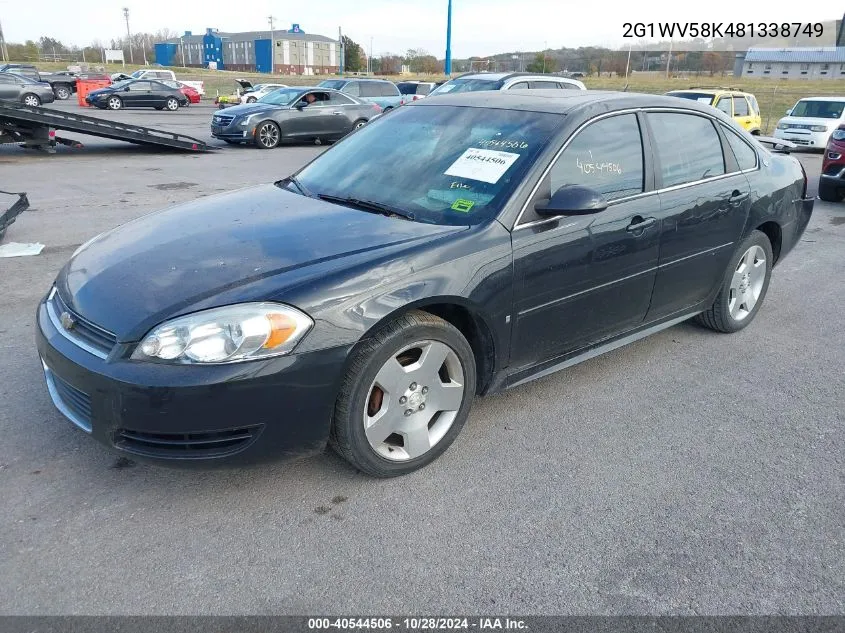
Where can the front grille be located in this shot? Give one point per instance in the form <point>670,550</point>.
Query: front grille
<point>799,141</point>
<point>222,120</point>
<point>186,445</point>
<point>798,126</point>
<point>74,404</point>
<point>84,333</point>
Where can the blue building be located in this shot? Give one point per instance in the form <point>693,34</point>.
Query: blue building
<point>291,51</point>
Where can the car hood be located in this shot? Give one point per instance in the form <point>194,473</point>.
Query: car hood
<point>250,108</point>
<point>830,124</point>
<point>184,258</point>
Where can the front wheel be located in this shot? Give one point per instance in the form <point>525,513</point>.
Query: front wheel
<point>267,135</point>
<point>743,288</point>
<point>829,192</point>
<point>115,103</point>
<point>31,100</point>
<point>359,124</point>
<point>406,396</point>
<point>63,92</point>
<point>172,104</point>
<point>251,99</point>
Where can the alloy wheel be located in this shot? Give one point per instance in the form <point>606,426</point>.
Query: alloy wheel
<point>172,104</point>
<point>747,283</point>
<point>31,100</point>
<point>115,103</point>
<point>414,400</point>
<point>268,135</point>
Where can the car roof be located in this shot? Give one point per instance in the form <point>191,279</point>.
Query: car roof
<point>561,101</point>
<point>503,76</point>
<point>831,98</point>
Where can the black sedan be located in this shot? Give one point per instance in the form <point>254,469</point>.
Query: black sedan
<point>461,246</point>
<point>292,115</point>
<point>137,93</point>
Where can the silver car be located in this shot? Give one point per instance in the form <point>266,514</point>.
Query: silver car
<point>301,114</point>
<point>15,87</point>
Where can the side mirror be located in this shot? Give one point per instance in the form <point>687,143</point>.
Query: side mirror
<point>788,112</point>
<point>126,89</point>
<point>301,105</point>
<point>572,200</point>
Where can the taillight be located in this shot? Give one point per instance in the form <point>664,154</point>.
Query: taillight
<point>416,97</point>
<point>376,107</point>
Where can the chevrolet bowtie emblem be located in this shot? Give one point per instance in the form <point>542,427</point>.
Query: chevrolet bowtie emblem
<point>67,321</point>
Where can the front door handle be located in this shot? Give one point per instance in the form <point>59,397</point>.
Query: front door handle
<point>639,223</point>
<point>337,112</point>
<point>738,196</point>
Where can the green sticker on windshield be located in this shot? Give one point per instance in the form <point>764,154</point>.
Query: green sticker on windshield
<point>462,205</point>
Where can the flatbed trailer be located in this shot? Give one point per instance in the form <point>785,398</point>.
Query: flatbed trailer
<point>35,127</point>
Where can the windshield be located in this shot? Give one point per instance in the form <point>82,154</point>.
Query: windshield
<point>701,97</point>
<point>818,109</point>
<point>282,96</point>
<point>336,84</point>
<point>443,164</point>
<point>467,85</point>
<point>137,74</point>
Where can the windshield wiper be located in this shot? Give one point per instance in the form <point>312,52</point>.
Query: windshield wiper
<point>368,205</point>
<point>293,181</point>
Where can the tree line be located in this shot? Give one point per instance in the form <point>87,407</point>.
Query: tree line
<point>140,47</point>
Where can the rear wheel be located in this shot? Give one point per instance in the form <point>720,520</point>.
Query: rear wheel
<point>406,396</point>
<point>172,104</point>
<point>31,100</point>
<point>829,192</point>
<point>267,135</point>
<point>359,124</point>
<point>115,103</point>
<point>743,288</point>
<point>63,92</point>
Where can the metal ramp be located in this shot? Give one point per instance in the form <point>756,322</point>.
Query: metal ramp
<point>31,126</point>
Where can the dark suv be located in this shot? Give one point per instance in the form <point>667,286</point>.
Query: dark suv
<point>380,91</point>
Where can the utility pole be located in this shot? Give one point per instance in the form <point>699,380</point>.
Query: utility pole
<point>3,51</point>
<point>669,59</point>
<point>370,58</point>
<point>628,64</point>
<point>182,48</point>
<point>448,67</point>
<point>340,42</point>
<point>129,35</point>
<point>544,56</point>
<point>271,19</point>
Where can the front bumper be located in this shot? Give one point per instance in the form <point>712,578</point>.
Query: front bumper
<point>184,415</point>
<point>804,138</point>
<point>233,133</point>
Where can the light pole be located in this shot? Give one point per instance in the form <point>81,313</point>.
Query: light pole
<point>546,44</point>
<point>3,51</point>
<point>271,19</point>
<point>448,67</point>
<point>129,35</point>
<point>370,58</point>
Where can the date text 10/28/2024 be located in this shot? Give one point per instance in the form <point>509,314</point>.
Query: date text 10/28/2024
<point>417,624</point>
<point>722,29</point>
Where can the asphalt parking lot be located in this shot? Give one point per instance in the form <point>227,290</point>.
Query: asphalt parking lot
<point>687,473</point>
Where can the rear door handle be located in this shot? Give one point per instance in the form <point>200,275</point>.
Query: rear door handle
<point>639,223</point>
<point>337,112</point>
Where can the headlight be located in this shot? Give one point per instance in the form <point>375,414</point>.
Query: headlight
<point>782,126</point>
<point>818,128</point>
<point>838,135</point>
<point>242,332</point>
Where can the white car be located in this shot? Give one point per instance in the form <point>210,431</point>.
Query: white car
<point>253,92</point>
<point>811,121</point>
<point>472,82</point>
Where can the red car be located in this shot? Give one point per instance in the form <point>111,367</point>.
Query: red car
<point>191,93</point>
<point>832,180</point>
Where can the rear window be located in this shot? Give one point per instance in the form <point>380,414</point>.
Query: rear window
<point>818,109</point>
<point>467,85</point>
<point>701,97</point>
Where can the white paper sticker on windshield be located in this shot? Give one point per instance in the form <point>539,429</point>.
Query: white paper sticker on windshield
<point>486,165</point>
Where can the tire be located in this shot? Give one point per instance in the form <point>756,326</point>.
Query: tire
<point>31,99</point>
<point>172,104</point>
<point>251,99</point>
<point>62,92</point>
<point>359,124</point>
<point>733,309</point>
<point>830,192</point>
<point>114,103</point>
<point>414,436</point>
<point>267,135</point>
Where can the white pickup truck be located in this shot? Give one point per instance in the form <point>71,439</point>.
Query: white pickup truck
<point>160,73</point>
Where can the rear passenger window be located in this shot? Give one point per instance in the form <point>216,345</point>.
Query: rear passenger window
<point>352,89</point>
<point>544,85</point>
<point>389,90</point>
<point>740,106</point>
<point>688,147</point>
<point>745,155</point>
<point>606,156</point>
<point>370,89</point>
<point>522,85</point>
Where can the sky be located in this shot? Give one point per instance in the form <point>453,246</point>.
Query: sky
<point>479,27</point>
